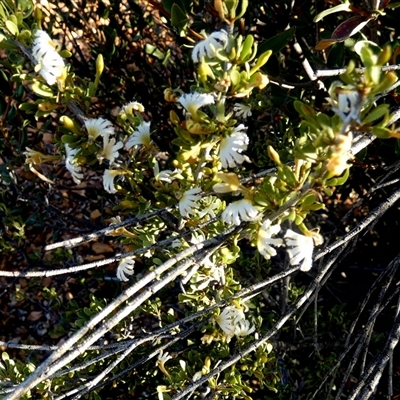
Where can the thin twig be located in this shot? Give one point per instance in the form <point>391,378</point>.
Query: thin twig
<point>335,72</point>
<point>372,217</point>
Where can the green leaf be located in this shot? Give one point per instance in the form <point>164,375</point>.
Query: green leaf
<point>376,113</point>
<point>70,139</point>
<point>153,51</point>
<point>393,5</point>
<point>168,4</point>
<point>179,19</point>
<point>343,179</point>
<point>6,43</point>
<point>338,8</point>
<point>12,27</point>
<point>28,106</point>
<point>246,48</point>
<point>26,6</point>
<point>41,89</point>
<point>381,133</point>
<point>65,53</point>
<point>276,43</point>
<point>3,13</point>
<point>243,8</point>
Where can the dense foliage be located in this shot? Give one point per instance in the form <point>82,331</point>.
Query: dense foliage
<point>197,199</point>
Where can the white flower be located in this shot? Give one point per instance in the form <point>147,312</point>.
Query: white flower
<point>33,156</point>
<point>243,328</point>
<point>265,241</point>
<point>238,211</point>
<point>230,183</point>
<point>98,127</point>
<point>188,201</point>
<point>125,268</point>
<point>193,101</point>
<point>139,137</point>
<point>51,67</point>
<point>349,102</point>
<point>163,358</point>
<point>241,110</point>
<point>108,179</point>
<point>42,44</point>
<point>50,63</point>
<point>71,166</point>
<point>228,319</point>
<point>340,154</point>
<point>232,146</point>
<point>209,46</point>
<point>130,107</point>
<point>169,175</point>
<point>110,150</point>
<point>301,249</point>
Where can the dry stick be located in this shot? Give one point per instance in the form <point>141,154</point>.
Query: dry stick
<point>87,363</point>
<point>95,383</point>
<point>278,325</point>
<point>390,271</point>
<point>93,236</point>
<point>90,386</point>
<point>368,382</point>
<point>392,268</point>
<point>109,260</point>
<point>363,337</point>
<point>359,337</point>
<point>134,365</point>
<point>323,281</point>
<point>306,65</point>
<point>390,366</point>
<point>335,72</point>
<point>375,214</point>
<point>43,370</point>
<point>45,347</point>
<point>367,330</point>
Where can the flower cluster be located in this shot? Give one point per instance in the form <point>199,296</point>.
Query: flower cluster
<point>232,146</point>
<point>238,211</point>
<point>233,322</point>
<point>51,66</point>
<point>188,202</point>
<point>299,247</point>
<point>193,101</point>
<point>141,136</point>
<point>210,46</point>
